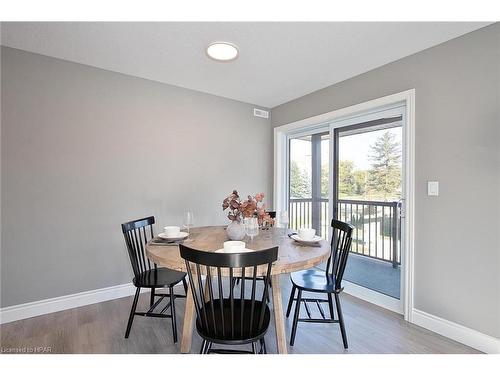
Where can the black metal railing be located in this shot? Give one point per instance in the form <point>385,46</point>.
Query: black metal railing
<point>377,228</point>
<point>301,213</point>
<point>377,224</point>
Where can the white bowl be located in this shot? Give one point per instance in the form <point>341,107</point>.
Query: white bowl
<point>234,246</point>
<point>307,234</point>
<point>171,231</point>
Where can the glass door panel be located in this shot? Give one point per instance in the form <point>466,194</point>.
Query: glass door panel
<point>300,182</point>
<point>368,190</point>
<point>308,183</point>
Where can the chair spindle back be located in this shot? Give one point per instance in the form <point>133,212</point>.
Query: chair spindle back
<point>340,248</point>
<point>137,233</point>
<point>220,312</point>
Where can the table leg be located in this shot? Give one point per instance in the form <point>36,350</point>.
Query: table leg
<point>187,326</point>
<point>279,320</point>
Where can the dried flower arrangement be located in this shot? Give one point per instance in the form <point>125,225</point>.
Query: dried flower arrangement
<point>253,206</point>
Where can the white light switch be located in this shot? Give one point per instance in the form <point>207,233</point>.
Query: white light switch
<point>433,188</point>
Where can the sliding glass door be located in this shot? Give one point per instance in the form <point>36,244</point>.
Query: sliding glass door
<point>358,182</point>
<point>308,183</point>
<point>367,193</point>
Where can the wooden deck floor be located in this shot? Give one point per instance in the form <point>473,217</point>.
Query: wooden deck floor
<point>99,328</point>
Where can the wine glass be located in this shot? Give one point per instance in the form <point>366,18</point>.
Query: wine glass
<point>251,227</point>
<point>283,219</point>
<point>188,220</point>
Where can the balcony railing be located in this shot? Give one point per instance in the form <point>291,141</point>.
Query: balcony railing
<point>301,215</point>
<point>377,224</point>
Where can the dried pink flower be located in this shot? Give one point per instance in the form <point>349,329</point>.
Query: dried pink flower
<point>253,206</point>
<point>259,197</point>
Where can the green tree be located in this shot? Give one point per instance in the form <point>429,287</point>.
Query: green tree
<point>384,179</point>
<point>347,182</point>
<point>300,183</point>
<point>360,178</point>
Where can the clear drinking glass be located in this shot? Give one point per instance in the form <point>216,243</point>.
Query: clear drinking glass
<point>188,220</point>
<point>251,227</point>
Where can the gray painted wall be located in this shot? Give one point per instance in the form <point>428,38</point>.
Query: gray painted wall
<point>85,149</point>
<point>457,138</point>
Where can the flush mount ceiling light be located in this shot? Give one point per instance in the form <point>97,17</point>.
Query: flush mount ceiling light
<point>222,51</point>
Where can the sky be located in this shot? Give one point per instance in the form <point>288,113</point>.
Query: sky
<point>357,147</point>
<point>351,147</point>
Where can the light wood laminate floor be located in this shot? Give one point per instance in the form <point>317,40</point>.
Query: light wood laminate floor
<point>100,328</point>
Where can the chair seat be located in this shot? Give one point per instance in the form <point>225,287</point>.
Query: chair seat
<point>314,281</point>
<point>239,336</point>
<point>158,278</point>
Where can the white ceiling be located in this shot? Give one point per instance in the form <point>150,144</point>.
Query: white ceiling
<point>278,62</point>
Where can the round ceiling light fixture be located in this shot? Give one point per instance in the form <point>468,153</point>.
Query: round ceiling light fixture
<point>222,51</point>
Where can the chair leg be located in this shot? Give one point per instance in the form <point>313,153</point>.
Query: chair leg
<point>203,344</point>
<point>330,305</point>
<point>185,285</point>
<point>208,347</point>
<point>263,349</point>
<point>132,312</point>
<point>152,297</point>
<point>296,317</point>
<point>290,301</point>
<point>254,347</point>
<point>172,311</point>
<point>341,321</point>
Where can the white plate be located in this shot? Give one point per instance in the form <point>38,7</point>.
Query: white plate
<point>232,251</point>
<point>181,236</point>
<point>314,240</point>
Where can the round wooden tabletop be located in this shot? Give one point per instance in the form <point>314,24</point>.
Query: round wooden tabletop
<point>292,256</point>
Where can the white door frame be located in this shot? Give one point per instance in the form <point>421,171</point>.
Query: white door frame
<point>281,170</point>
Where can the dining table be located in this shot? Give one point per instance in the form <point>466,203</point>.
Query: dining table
<point>292,256</point>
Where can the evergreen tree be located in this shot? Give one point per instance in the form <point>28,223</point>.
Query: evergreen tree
<point>384,179</point>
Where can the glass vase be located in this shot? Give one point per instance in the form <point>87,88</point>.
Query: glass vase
<point>235,231</point>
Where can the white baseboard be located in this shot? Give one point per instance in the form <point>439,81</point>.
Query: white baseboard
<point>47,306</point>
<point>457,332</point>
<point>371,296</point>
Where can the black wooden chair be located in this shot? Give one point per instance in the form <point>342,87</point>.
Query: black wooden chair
<point>226,319</point>
<point>146,275</point>
<point>328,282</point>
